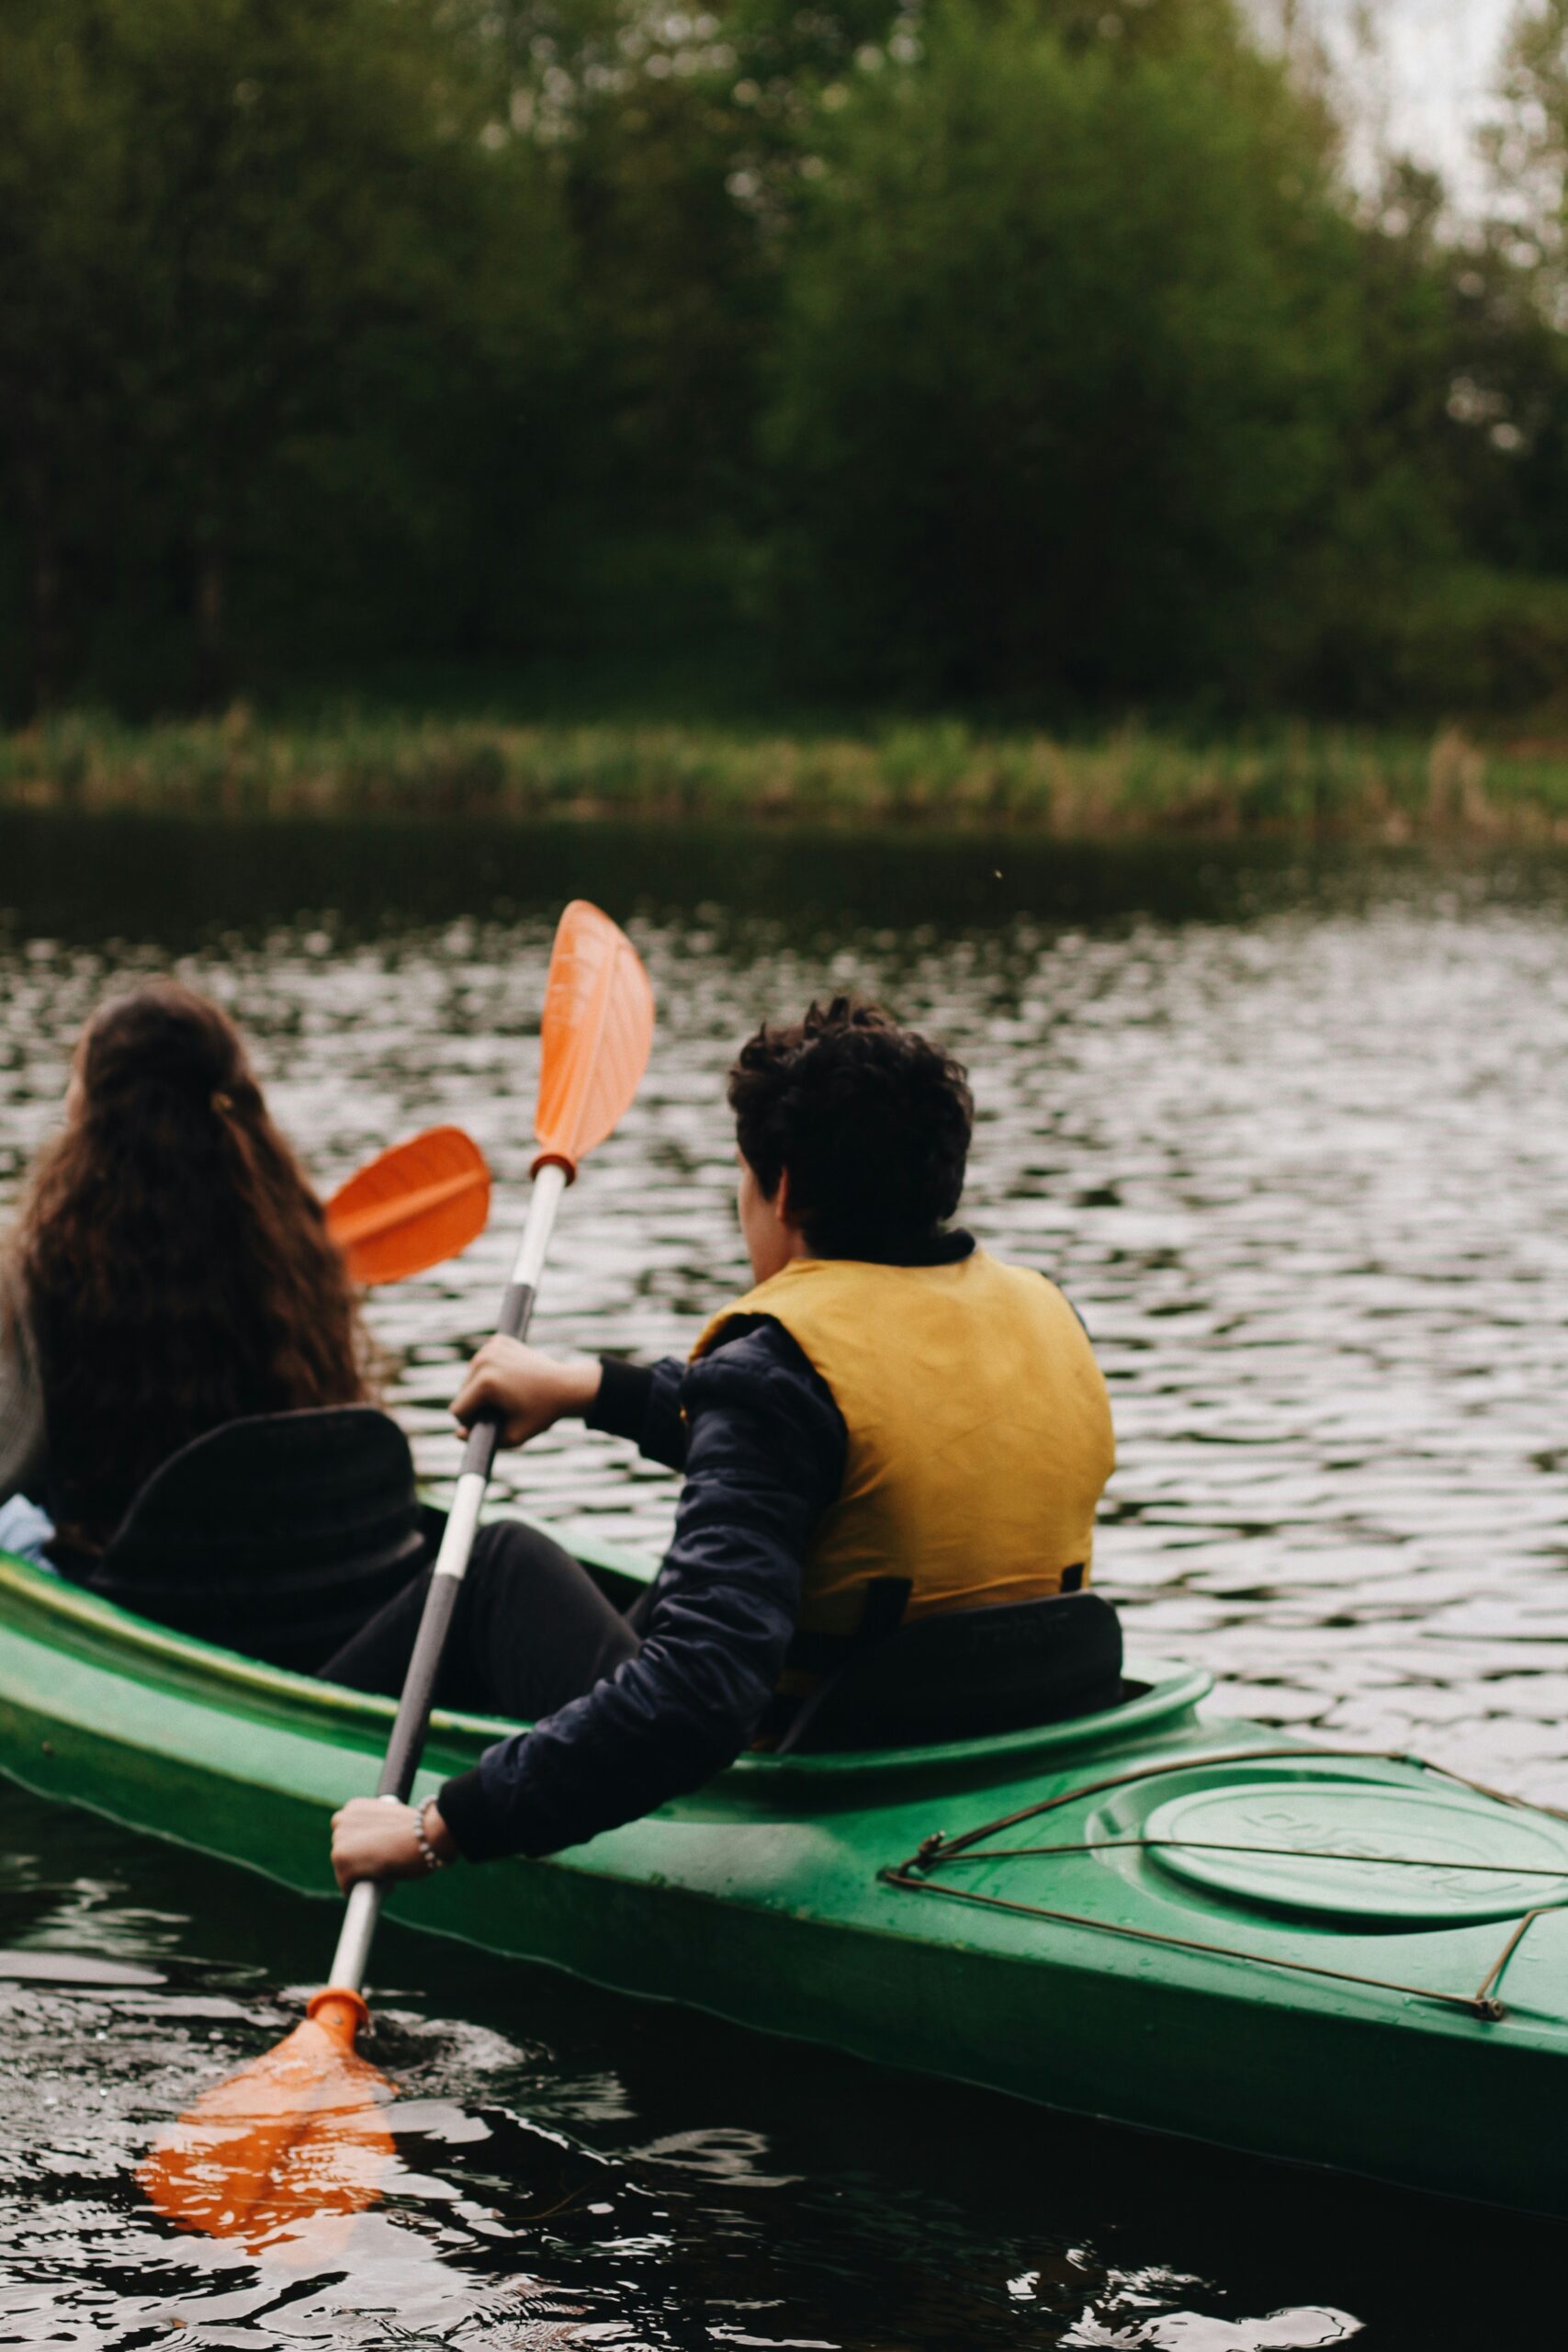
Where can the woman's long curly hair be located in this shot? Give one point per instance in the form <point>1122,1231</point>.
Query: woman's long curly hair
<point>174,1262</point>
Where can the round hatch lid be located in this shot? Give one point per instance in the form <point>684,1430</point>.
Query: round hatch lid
<point>1356,1851</point>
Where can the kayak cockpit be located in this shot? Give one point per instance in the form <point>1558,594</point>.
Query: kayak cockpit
<point>1094,1705</point>
<point>66,1622</point>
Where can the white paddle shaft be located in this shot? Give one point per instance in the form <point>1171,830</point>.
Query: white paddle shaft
<point>403,1749</point>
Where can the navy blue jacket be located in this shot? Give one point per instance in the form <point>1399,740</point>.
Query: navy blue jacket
<point>763,1446</point>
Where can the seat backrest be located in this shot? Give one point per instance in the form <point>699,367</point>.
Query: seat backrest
<point>278,1536</point>
<point>968,1672</point>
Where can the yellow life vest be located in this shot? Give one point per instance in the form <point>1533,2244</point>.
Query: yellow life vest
<point>978,1428</point>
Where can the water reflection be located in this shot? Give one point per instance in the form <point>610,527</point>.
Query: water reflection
<point>1287,1131</point>
<point>579,2170</point>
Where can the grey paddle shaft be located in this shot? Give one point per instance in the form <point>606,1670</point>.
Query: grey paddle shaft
<point>451,1562</point>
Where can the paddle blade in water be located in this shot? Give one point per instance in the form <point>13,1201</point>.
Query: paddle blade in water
<point>297,2134</point>
<point>420,1202</point>
<point>597,1029</point>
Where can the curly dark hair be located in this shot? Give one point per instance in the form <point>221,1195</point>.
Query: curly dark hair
<point>871,1121</point>
<point>173,1260</point>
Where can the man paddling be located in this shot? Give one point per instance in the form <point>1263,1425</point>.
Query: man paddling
<point>889,1426</point>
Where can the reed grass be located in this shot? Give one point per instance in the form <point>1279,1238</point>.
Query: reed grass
<point>1132,780</point>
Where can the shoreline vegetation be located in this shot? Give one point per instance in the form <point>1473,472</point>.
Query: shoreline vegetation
<point>1129,781</point>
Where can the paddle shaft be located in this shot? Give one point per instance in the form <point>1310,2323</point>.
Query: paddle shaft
<point>404,1749</point>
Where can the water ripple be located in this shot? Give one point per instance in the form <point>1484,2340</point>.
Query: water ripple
<point>1298,1155</point>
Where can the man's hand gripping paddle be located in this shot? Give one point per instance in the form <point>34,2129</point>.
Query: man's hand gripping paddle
<point>299,2133</point>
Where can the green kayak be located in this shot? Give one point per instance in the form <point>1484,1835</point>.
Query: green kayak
<point>1178,1922</point>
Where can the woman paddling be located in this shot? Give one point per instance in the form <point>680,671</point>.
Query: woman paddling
<point>170,1269</point>
<point>170,1275</point>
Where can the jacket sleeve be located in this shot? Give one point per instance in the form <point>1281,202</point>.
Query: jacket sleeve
<point>764,1458</point>
<point>642,1402</point>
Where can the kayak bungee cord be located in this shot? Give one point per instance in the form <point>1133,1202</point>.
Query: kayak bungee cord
<point>948,1847</point>
<point>939,1851</point>
<point>1293,1853</point>
<point>1479,2003</point>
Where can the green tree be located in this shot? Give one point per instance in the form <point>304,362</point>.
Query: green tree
<point>330,275</point>
<point>681,138</point>
<point>1072,350</point>
<point>66,316</point>
<point>1509,377</point>
<point>676,137</point>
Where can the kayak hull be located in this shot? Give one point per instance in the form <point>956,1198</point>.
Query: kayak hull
<point>1096,1980</point>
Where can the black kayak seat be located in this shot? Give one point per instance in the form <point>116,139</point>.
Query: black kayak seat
<point>967,1673</point>
<point>278,1536</point>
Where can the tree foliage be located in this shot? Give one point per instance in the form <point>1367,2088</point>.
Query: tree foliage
<point>252,254</point>
<point>1021,350</point>
<point>1070,358</point>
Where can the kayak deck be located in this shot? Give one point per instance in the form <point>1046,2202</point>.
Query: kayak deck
<point>1180,1924</point>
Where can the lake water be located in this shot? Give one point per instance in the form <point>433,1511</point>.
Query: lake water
<point>1291,1134</point>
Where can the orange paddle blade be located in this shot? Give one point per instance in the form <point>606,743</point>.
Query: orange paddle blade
<point>420,1202</point>
<point>295,2135</point>
<point>595,1034</point>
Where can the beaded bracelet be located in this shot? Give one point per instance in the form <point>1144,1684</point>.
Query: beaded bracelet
<point>427,1853</point>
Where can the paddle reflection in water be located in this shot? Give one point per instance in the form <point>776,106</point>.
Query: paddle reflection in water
<point>288,2148</point>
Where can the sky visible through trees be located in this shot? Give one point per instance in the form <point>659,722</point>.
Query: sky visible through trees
<point>1418,74</point>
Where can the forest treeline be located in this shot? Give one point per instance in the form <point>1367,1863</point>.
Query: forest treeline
<point>1029,357</point>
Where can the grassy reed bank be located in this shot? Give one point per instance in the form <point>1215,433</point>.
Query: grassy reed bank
<point>1129,781</point>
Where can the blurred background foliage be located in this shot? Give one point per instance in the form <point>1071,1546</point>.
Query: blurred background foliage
<point>1031,360</point>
